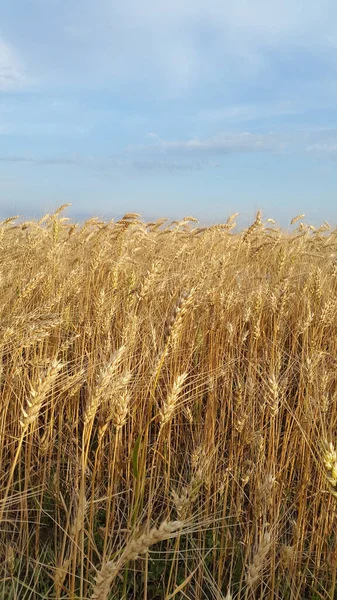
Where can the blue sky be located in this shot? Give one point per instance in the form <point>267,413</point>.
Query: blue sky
<point>169,109</point>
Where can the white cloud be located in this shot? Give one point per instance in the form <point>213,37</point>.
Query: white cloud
<point>192,154</point>
<point>225,143</point>
<point>325,149</point>
<point>199,152</point>
<point>12,75</point>
<point>236,113</point>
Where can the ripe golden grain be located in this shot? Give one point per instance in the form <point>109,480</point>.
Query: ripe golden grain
<point>112,438</point>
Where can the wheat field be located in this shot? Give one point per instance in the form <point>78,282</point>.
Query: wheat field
<point>168,410</point>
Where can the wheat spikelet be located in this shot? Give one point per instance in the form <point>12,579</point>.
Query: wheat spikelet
<point>231,218</point>
<point>199,230</point>
<point>133,550</point>
<point>104,379</point>
<point>263,498</point>
<point>287,556</point>
<point>140,546</point>
<point>60,573</point>
<point>39,329</point>
<point>27,224</point>
<point>253,227</point>
<point>123,224</point>
<point>180,308</point>
<point>44,442</point>
<point>184,501</point>
<point>32,285</point>
<point>222,226</point>
<point>131,216</point>
<point>72,229</point>
<point>61,208</point>
<point>328,312</point>
<point>9,220</point>
<point>154,226</point>
<point>148,281</point>
<point>82,506</point>
<point>191,219</point>
<point>76,526</point>
<point>295,219</point>
<point>121,383</point>
<point>329,458</point>
<point>38,394</point>
<point>116,406</point>
<point>181,502</point>
<point>120,410</point>
<point>43,219</point>
<point>171,400</point>
<point>188,414</point>
<point>255,568</point>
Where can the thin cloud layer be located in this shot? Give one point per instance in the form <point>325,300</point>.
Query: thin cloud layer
<point>223,143</point>
<point>12,75</point>
<point>192,154</point>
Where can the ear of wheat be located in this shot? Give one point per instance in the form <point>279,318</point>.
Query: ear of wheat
<point>170,401</point>
<point>38,394</point>
<point>255,568</point>
<point>330,464</point>
<point>133,550</point>
<point>104,380</point>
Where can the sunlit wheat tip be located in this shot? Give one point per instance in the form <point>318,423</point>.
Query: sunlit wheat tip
<point>297,218</point>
